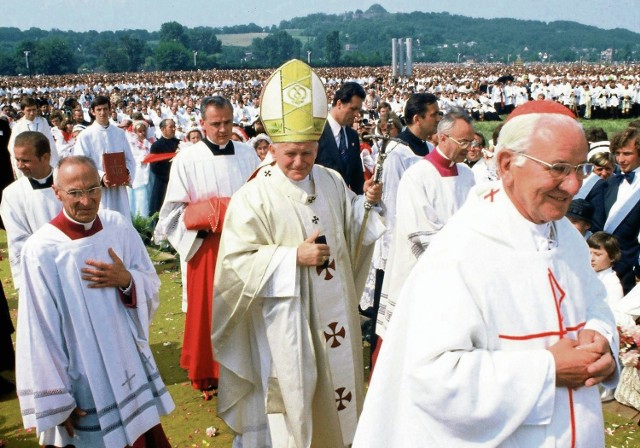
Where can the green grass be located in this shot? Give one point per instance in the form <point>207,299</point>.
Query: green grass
<point>239,40</point>
<point>610,126</point>
<point>246,39</point>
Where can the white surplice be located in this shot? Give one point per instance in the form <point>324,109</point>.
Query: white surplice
<point>399,158</point>
<point>196,175</point>
<point>24,210</point>
<point>97,140</point>
<point>288,337</point>
<point>81,347</point>
<point>426,200</point>
<point>465,360</point>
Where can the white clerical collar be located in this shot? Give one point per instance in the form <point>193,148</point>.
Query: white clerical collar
<point>86,225</point>
<point>220,146</point>
<point>44,179</point>
<point>451,162</point>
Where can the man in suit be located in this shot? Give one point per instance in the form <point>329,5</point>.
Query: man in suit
<point>617,204</point>
<point>339,145</point>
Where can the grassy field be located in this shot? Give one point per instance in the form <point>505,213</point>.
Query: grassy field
<point>610,126</point>
<point>246,39</point>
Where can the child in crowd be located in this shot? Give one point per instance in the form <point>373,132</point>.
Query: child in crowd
<point>605,251</point>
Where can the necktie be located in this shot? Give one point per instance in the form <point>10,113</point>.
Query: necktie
<point>342,147</point>
<point>628,176</point>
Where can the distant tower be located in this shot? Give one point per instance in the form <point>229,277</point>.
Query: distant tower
<point>401,57</point>
<point>408,68</point>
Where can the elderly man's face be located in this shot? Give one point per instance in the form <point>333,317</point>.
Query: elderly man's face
<point>295,159</point>
<point>78,188</point>
<point>536,193</point>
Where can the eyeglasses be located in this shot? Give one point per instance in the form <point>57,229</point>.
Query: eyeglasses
<point>79,194</point>
<point>563,169</point>
<point>465,143</point>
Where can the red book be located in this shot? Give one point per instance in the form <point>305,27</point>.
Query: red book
<point>115,168</point>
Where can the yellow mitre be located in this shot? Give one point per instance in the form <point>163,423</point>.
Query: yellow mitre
<point>293,104</point>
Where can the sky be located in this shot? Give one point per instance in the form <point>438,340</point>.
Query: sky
<point>105,15</point>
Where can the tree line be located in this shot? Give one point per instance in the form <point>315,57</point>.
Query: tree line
<point>350,39</point>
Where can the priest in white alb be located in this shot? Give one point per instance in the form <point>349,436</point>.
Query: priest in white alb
<point>29,202</point>
<point>101,138</point>
<point>286,328</point>
<point>85,372</point>
<point>201,181</point>
<point>429,193</point>
<point>31,121</point>
<point>502,331</point>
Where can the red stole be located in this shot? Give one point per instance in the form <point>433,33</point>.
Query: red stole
<point>445,167</point>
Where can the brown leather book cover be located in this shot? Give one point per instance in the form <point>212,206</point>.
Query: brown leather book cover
<point>115,167</point>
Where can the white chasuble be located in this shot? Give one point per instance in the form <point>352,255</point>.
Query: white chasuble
<point>308,367</point>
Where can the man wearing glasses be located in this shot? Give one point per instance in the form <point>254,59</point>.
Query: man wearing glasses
<point>429,193</point>
<point>501,330</point>
<point>85,372</point>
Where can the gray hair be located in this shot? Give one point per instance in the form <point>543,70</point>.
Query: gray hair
<point>449,119</point>
<point>517,132</point>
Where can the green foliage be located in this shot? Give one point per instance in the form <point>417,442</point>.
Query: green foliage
<point>276,49</point>
<point>173,32</point>
<point>171,56</point>
<point>332,48</point>
<point>205,40</point>
<point>115,59</point>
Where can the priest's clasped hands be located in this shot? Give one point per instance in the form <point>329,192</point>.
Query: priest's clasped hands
<point>105,275</point>
<point>585,362</point>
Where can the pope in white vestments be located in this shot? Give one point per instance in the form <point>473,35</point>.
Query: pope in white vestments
<point>84,364</point>
<point>286,327</point>
<point>502,329</point>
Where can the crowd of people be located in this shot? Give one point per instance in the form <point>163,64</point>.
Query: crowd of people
<point>298,200</point>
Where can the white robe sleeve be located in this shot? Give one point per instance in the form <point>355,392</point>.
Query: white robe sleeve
<point>42,365</point>
<point>171,221</point>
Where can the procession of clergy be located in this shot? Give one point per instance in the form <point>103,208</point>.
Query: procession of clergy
<point>494,328</point>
